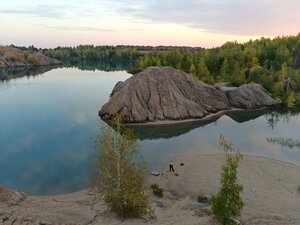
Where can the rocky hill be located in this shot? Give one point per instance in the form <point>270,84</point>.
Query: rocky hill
<point>164,93</point>
<point>13,57</point>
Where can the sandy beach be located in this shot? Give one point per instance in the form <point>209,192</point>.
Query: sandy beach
<point>270,195</point>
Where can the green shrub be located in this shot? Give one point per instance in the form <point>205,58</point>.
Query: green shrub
<point>157,191</point>
<point>299,189</point>
<point>201,196</point>
<point>297,102</point>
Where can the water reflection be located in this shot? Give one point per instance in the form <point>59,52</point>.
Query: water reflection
<point>48,124</point>
<point>152,132</point>
<point>286,142</point>
<point>46,127</point>
<point>108,65</point>
<point>283,114</point>
<point>17,72</point>
<point>174,130</point>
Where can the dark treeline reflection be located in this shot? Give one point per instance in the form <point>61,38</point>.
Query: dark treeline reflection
<point>284,114</point>
<point>103,65</point>
<point>168,130</point>
<point>84,65</point>
<point>285,142</point>
<point>16,72</point>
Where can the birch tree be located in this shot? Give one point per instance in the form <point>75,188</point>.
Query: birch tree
<point>119,172</point>
<point>227,204</point>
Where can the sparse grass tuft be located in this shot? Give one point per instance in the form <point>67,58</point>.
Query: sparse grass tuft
<point>13,58</point>
<point>158,191</point>
<point>201,196</point>
<point>33,59</point>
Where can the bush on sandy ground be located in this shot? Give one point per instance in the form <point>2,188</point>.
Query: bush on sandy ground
<point>201,196</point>
<point>157,191</point>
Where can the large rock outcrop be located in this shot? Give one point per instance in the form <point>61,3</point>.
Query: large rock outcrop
<point>164,93</point>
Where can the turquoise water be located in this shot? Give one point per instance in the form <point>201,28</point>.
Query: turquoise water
<point>48,123</point>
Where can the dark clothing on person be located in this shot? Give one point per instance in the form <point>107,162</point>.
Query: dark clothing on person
<point>171,166</point>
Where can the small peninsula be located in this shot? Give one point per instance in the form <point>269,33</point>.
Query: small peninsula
<point>166,94</point>
<point>14,57</point>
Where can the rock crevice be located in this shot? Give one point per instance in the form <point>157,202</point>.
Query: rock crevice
<point>164,93</point>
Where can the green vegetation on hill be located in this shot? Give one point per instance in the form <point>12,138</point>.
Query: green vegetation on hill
<point>273,63</point>
<point>10,56</point>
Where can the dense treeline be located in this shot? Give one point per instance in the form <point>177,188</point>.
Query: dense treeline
<point>107,53</point>
<point>92,53</point>
<point>273,63</point>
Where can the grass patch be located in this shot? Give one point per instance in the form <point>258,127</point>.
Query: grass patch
<point>201,196</point>
<point>34,59</point>
<point>157,191</point>
<point>14,58</point>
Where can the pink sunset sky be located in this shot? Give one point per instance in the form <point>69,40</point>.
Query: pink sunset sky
<point>203,23</point>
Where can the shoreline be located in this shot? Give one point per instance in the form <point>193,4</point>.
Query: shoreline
<point>270,195</point>
<point>175,157</point>
<point>209,117</point>
<point>31,65</point>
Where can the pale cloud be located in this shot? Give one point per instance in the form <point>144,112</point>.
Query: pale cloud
<point>74,28</point>
<point>205,23</point>
<point>52,11</point>
<point>243,17</point>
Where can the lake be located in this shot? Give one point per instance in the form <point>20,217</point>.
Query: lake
<point>49,119</point>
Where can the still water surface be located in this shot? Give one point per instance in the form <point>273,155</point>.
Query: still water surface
<point>48,123</point>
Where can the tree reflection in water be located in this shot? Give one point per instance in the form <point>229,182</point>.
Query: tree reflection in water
<point>283,114</point>
<point>284,141</point>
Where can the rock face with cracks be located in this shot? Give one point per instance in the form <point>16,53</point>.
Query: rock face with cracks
<point>10,197</point>
<point>164,93</point>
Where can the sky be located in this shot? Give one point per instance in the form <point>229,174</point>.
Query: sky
<point>201,23</point>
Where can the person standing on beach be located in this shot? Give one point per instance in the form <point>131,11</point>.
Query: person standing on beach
<point>171,166</point>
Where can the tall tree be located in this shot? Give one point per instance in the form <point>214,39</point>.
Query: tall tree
<point>228,203</point>
<point>193,70</point>
<point>284,71</point>
<point>202,70</point>
<point>119,172</point>
<point>224,71</point>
